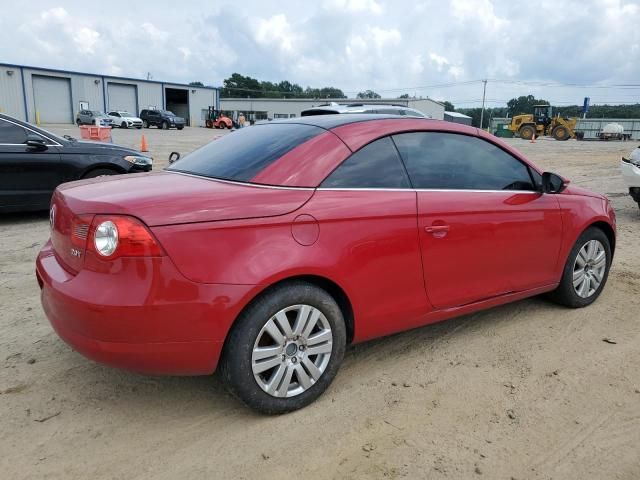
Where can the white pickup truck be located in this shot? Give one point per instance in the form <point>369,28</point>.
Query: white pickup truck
<point>631,172</point>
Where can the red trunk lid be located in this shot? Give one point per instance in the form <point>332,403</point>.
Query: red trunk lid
<point>166,198</point>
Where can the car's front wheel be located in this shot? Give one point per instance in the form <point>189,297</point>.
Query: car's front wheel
<point>285,348</point>
<point>164,126</point>
<point>123,125</point>
<point>586,271</point>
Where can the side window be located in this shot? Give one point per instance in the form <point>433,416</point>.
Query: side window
<point>376,165</point>
<point>437,160</point>
<point>11,133</point>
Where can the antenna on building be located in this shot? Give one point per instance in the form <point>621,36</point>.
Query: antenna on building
<point>149,76</point>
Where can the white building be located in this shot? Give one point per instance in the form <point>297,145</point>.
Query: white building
<point>43,95</point>
<point>273,108</point>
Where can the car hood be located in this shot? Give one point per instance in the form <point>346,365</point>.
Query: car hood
<point>575,190</point>
<point>101,148</point>
<point>167,198</point>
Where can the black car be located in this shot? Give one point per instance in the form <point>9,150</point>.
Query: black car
<point>33,162</point>
<point>164,119</point>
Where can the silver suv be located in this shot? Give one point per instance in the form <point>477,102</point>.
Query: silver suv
<point>385,109</point>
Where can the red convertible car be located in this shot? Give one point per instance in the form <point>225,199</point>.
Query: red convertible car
<point>263,254</point>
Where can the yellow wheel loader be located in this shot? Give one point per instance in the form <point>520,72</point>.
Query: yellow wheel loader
<point>543,123</point>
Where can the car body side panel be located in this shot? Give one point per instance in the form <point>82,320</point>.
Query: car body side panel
<point>367,244</point>
<point>307,164</point>
<point>578,213</point>
<point>495,242</point>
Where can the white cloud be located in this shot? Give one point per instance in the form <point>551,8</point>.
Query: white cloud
<point>275,32</point>
<point>354,6</point>
<point>350,44</point>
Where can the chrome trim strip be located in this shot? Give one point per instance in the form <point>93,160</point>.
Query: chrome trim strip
<point>425,190</point>
<point>54,144</point>
<point>244,184</point>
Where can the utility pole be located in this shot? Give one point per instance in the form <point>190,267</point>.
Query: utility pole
<point>484,93</point>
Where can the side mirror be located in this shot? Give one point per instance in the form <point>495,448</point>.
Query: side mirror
<point>174,157</point>
<point>36,143</point>
<point>553,183</point>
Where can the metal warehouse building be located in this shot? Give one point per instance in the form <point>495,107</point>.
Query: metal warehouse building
<point>271,108</point>
<point>41,95</point>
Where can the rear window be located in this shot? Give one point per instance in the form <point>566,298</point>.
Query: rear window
<point>244,153</point>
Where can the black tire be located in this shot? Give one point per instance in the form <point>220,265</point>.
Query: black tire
<point>222,125</point>
<point>560,133</point>
<point>236,362</point>
<point>164,126</point>
<point>145,124</point>
<point>138,128</point>
<point>527,132</point>
<point>179,128</point>
<point>78,122</point>
<point>100,172</point>
<point>123,125</point>
<point>566,294</point>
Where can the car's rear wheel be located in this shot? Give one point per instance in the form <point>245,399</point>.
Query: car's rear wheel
<point>285,348</point>
<point>222,125</point>
<point>99,172</point>
<point>179,128</point>
<point>145,124</point>
<point>586,271</point>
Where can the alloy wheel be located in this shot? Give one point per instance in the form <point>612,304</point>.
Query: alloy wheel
<point>292,351</point>
<point>589,268</point>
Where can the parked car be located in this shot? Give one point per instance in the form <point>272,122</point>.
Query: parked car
<point>266,252</point>
<point>89,117</point>
<point>33,162</point>
<point>124,119</point>
<point>383,109</point>
<point>631,172</point>
<point>164,119</point>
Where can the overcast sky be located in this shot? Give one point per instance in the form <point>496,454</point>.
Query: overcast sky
<point>393,47</point>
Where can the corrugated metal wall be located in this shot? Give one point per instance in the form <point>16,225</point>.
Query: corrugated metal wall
<point>92,89</point>
<point>11,99</point>
<point>593,126</point>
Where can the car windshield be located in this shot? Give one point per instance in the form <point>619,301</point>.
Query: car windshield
<point>243,154</point>
<point>168,112</point>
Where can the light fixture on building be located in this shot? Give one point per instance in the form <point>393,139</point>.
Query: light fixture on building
<point>193,91</point>
<point>10,72</point>
<point>96,81</point>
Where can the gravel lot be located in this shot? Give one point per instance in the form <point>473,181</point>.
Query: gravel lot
<point>527,390</point>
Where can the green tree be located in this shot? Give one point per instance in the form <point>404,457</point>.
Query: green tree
<point>448,106</point>
<point>524,104</point>
<point>196,84</point>
<point>404,95</point>
<point>240,86</point>
<point>368,94</point>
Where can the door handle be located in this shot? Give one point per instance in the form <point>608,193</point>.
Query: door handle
<point>437,229</point>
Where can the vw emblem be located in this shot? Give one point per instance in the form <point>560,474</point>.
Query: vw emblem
<point>52,217</point>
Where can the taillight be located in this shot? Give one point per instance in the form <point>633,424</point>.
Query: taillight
<point>112,236</point>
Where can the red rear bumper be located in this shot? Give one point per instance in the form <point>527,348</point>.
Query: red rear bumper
<point>140,314</point>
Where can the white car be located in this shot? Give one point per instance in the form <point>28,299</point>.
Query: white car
<point>124,119</point>
<point>631,172</point>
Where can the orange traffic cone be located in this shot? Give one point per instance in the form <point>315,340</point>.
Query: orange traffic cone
<point>533,138</point>
<point>143,144</point>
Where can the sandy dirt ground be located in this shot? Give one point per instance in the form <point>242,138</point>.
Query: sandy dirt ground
<point>527,390</point>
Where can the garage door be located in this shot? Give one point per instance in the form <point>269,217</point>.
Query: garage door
<point>122,97</point>
<point>52,98</point>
